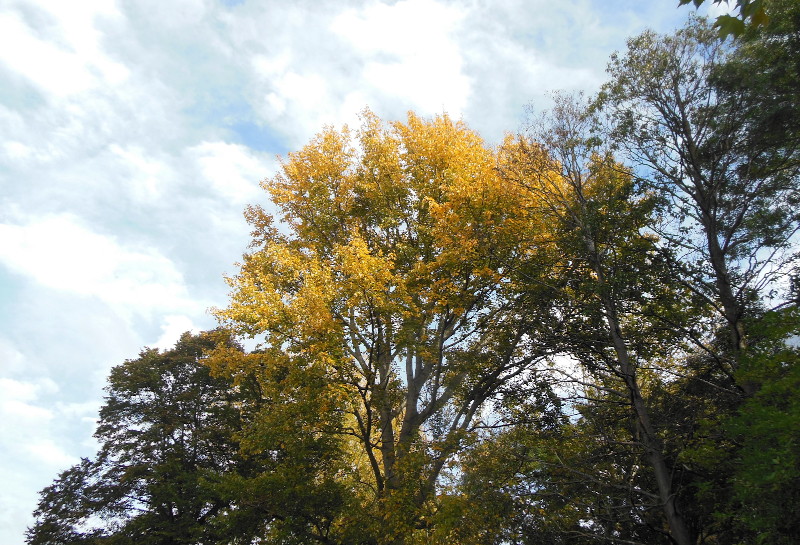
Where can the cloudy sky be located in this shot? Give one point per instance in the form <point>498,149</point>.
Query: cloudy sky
<point>134,132</point>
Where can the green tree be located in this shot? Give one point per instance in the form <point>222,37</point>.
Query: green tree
<point>711,129</point>
<point>615,305</point>
<point>583,482</point>
<point>298,477</point>
<point>762,77</point>
<point>766,479</point>
<point>167,432</point>
<point>729,195</point>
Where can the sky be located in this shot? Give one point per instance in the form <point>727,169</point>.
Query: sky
<point>134,132</point>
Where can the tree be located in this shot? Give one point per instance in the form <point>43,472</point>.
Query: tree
<point>728,193</point>
<point>711,130</point>
<point>582,482</point>
<point>615,305</point>
<point>167,432</point>
<point>764,73</point>
<point>298,478</point>
<point>391,275</point>
<point>766,480</point>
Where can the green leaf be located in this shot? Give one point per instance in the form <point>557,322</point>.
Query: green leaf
<point>760,18</point>
<point>728,25</point>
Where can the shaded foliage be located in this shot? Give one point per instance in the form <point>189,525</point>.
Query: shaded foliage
<point>167,433</point>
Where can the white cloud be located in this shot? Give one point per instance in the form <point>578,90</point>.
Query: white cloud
<point>175,14</point>
<point>172,328</point>
<point>410,56</point>
<point>58,47</point>
<point>48,452</point>
<point>59,252</point>
<point>12,361</point>
<point>22,413</point>
<point>146,177</point>
<point>233,171</point>
<point>17,151</point>
<point>324,66</point>
<point>22,416</point>
<point>306,97</point>
<point>20,392</point>
<point>44,64</point>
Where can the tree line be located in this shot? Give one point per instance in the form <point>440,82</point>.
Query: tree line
<point>587,334</point>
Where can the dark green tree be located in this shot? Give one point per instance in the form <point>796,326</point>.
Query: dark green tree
<point>300,479</point>
<point>614,299</point>
<point>766,476</point>
<point>762,77</point>
<point>167,433</point>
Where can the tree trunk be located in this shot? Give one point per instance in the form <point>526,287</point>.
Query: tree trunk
<point>644,428</point>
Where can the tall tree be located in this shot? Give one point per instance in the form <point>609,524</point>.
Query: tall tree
<point>615,291</point>
<point>711,129</point>
<point>166,432</point>
<point>391,274</point>
<point>298,477</point>
<point>762,76</point>
<point>765,478</point>
<point>729,194</point>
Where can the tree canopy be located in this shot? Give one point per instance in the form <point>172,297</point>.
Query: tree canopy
<point>396,282</point>
<point>167,432</point>
<point>586,334</point>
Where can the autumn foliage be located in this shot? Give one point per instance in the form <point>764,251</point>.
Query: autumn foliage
<point>586,334</point>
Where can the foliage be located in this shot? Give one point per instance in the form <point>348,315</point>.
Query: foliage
<point>764,70</point>
<point>728,193</point>
<point>617,308</point>
<point>166,432</point>
<point>395,281</point>
<point>766,479</point>
<point>750,11</point>
<point>292,487</point>
<point>717,153</point>
<point>586,335</point>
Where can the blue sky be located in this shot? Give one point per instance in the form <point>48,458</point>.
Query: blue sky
<point>133,134</point>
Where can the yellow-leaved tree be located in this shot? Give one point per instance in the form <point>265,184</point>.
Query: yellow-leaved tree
<point>390,275</point>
